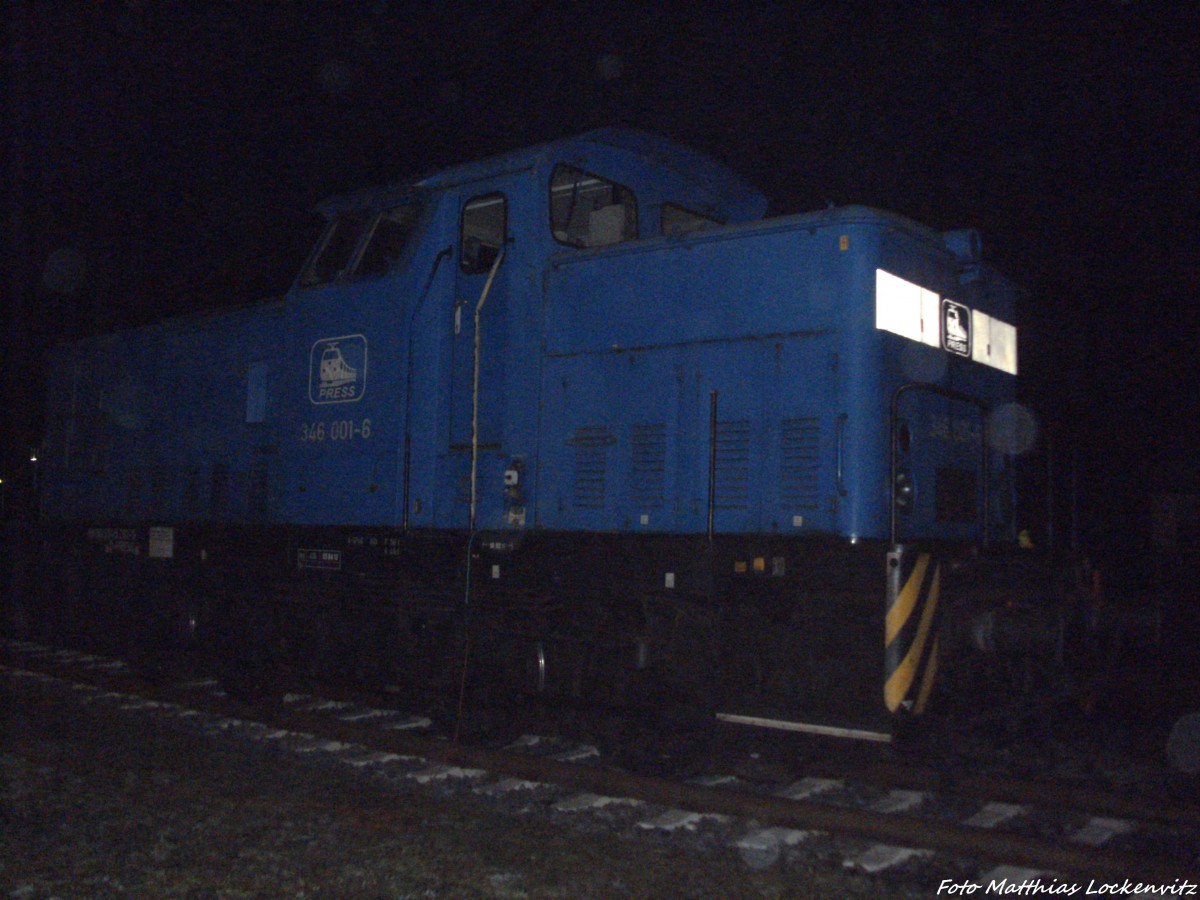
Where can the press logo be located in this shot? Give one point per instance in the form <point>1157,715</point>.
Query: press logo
<point>956,328</point>
<point>337,369</point>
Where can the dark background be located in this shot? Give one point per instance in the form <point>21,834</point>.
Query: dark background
<point>163,157</point>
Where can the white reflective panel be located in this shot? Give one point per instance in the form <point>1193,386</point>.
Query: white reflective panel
<point>1004,346</point>
<point>980,346</point>
<point>914,312</point>
<point>995,342</point>
<point>906,309</point>
<point>931,318</point>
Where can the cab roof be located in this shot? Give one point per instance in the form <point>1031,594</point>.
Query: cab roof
<point>724,192</point>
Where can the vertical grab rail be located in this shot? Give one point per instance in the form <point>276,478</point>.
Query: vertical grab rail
<point>487,288</point>
<point>466,659</point>
<point>712,462</point>
<point>841,454</point>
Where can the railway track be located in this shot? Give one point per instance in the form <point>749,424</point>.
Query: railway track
<point>925,825</point>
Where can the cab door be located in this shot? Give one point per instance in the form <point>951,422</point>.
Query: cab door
<point>479,338</point>
<point>939,466</point>
<point>483,222</point>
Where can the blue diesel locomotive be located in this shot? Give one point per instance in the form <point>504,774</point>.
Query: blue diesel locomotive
<point>576,420</point>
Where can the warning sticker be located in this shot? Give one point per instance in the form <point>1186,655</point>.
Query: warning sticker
<point>162,543</point>
<point>319,559</point>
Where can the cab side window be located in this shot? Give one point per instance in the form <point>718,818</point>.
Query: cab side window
<point>361,243</point>
<point>589,211</point>
<point>393,228</point>
<point>484,222</point>
<point>335,249</point>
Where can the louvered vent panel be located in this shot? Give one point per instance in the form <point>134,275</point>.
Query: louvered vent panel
<point>733,464</point>
<point>799,456</point>
<point>191,493</point>
<point>160,487</point>
<point>648,466</point>
<point>219,490</point>
<point>591,445</point>
<point>259,490</point>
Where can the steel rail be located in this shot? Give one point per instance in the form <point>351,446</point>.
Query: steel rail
<point>897,829</point>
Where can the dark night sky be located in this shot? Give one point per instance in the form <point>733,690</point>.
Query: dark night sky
<point>163,154</point>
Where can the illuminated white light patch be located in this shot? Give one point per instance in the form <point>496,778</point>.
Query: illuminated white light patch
<point>882,856</point>
<point>525,740</point>
<point>316,744</point>
<point>994,814</point>
<point>715,780</point>
<point>369,714</point>
<point>507,786</point>
<point>1003,342</point>
<point>444,773</point>
<point>1100,830</point>
<point>593,801</point>
<point>760,849</point>
<point>410,724</point>
<point>320,705</point>
<point>378,757</point>
<point>808,787</point>
<point>995,342</point>
<point>197,684</point>
<point>674,819</point>
<point>914,312</point>
<point>980,327</point>
<point>899,801</point>
<point>226,724</point>
<point>907,309</point>
<point>582,752</point>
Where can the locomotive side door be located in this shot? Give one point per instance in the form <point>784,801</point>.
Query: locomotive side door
<point>479,336</point>
<point>939,466</point>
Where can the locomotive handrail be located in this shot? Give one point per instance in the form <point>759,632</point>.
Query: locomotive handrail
<point>483,296</point>
<point>841,453</point>
<point>712,464</point>
<point>951,394</point>
<point>487,289</point>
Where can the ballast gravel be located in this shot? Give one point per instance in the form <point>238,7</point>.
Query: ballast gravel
<point>100,802</point>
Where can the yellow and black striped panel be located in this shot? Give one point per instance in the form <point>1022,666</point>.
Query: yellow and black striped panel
<point>911,633</point>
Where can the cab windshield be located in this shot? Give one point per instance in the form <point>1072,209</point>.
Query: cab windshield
<point>361,244</point>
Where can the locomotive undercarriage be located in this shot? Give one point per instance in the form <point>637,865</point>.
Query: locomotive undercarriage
<point>771,628</point>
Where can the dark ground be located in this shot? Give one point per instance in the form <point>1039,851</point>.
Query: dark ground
<point>97,802</point>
